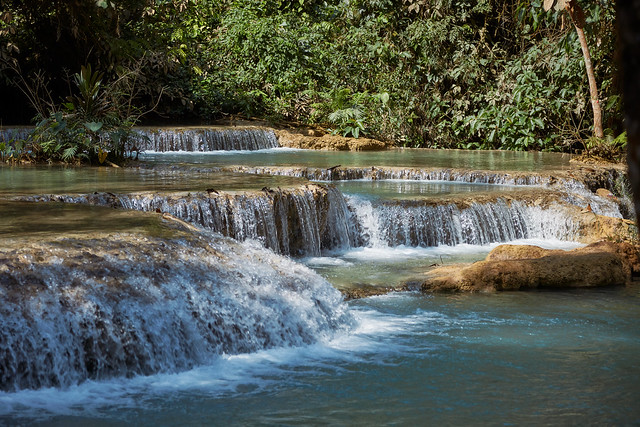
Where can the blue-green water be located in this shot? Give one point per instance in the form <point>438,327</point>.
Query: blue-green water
<point>404,157</point>
<point>510,358</point>
<point>16,180</point>
<point>530,358</point>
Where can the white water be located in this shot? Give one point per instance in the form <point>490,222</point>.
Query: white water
<point>289,351</point>
<point>206,139</point>
<point>517,358</point>
<point>387,225</point>
<point>153,154</point>
<point>223,375</point>
<point>403,253</point>
<point>125,305</point>
<point>312,220</point>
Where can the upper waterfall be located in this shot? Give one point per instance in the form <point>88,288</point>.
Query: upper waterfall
<point>206,139</point>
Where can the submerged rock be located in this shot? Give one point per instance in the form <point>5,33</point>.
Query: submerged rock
<point>512,267</point>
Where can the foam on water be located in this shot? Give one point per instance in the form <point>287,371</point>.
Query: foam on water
<point>223,376</point>
<point>152,154</point>
<point>402,253</point>
<point>407,357</point>
<point>125,305</point>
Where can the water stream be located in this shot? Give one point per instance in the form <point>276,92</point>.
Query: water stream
<point>117,316</point>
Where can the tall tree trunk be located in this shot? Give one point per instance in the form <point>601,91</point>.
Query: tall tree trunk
<point>577,16</point>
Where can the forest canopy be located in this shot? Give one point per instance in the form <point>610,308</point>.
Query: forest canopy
<point>421,73</point>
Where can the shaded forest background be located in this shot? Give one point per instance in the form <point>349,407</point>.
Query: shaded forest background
<point>421,73</point>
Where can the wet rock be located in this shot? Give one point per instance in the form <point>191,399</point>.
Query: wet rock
<point>357,291</point>
<point>314,141</point>
<point>510,267</point>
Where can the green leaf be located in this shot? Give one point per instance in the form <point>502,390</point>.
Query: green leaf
<point>69,153</point>
<point>93,126</point>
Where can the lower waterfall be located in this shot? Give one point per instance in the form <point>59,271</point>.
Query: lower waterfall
<point>123,305</point>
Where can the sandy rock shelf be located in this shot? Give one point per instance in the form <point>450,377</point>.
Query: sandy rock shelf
<point>511,267</point>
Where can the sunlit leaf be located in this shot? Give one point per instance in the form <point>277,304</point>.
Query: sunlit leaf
<point>102,155</point>
<point>561,4</point>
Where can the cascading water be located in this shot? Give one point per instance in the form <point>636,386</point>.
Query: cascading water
<point>185,139</point>
<point>205,139</point>
<point>425,225</point>
<point>119,304</point>
<point>302,222</point>
<point>13,134</point>
<point>313,219</point>
<point>122,305</point>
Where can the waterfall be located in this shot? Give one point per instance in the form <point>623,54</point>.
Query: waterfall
<point>397,173</point>
<point>314,219</point>
<point>8,135</point>
<point>302,221</point>
<point>415,224</point>
<point>205,139</point>
<point>120,305</point>
<point>187,139</point>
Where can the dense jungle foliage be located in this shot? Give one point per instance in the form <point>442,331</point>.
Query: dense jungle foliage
<point>422,73</point>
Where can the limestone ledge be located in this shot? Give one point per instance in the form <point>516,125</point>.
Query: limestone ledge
<point>512,267</point>
<point>316,140</point>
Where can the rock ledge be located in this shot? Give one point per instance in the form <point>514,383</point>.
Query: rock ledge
<point>511,267</point>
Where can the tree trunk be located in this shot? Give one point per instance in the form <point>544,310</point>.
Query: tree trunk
<point>593,86</point>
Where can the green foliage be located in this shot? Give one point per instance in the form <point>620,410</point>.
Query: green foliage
<point>609,148</point>
<point>429,73</point>
<point>14,151</point>
<point>88,127</point>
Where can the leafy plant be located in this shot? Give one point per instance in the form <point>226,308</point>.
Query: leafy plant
<point>609,148</point>
<point>348,121</point>
<point>14,150</point>
<point>89,127</point>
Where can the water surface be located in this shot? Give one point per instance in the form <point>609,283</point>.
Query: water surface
<point>413,189</point>
<point>16,180</point>
<point>567,357</point>
<point>402,157</point>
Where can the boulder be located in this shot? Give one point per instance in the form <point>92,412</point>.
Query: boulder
<point>511,267</point>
